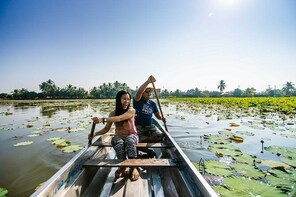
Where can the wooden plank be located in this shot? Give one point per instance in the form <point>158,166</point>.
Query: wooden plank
<point>131,163</point>
<point>139,145</point>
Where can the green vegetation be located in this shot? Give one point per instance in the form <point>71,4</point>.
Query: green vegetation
<point>285,105</point>
<point>49,90</point>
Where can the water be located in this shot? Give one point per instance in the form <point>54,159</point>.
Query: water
<point>23,168</point>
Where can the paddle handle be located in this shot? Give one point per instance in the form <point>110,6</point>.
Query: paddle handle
<point>92,132</point>
<point>159,105</point>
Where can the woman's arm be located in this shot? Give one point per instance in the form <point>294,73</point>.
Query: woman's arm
<point>142,88</point>
<point>127,115</point>
<point>106,128</point>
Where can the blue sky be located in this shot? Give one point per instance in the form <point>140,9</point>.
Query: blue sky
<point>184,44</point>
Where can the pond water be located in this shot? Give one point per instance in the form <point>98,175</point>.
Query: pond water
<point>23,168</point>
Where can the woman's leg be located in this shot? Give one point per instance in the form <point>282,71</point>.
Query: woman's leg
<point>131,141</point>
<point>118,145</point>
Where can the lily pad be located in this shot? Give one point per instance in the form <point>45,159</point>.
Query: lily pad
<point>54,138</point>
<point>3,191</point>
<point>241,186</point>
<point>72,148</point>
<point>247,170</point>
<point>217,168</point>
<point>291,162</point>
<point>284,179</point>
<point>245,158</point>
<point>23,143</point>
<point>227,150</point>
<point>274,164</point>
<point>287,152</point>
<point>217,139</point>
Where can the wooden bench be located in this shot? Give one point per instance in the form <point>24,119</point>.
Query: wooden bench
<point>131,163</point>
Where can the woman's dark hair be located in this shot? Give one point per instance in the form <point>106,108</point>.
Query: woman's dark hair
<point>118,108</point>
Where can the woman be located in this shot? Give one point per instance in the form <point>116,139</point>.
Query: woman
<point>125,140</point>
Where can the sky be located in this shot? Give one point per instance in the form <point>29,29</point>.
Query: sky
<point>184,44</point>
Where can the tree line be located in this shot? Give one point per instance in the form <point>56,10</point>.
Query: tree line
<point>49,90</point>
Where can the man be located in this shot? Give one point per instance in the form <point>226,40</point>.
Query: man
<point>145,108</point>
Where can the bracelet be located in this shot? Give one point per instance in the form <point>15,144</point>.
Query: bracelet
<point>104,120</point>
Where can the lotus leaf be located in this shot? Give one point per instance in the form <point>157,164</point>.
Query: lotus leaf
<point>287,152</point>
<point>247,170</point>
<point>234,125</point>
<point>241,186</point>
<point>72,148</point>
<point>227,150</point>
<point>289,161</point>
<point>285,180</point>
<point>36,132</point>
<point>217,168</point>
<point>247,133</point>
<point>54,138</point>
<point>75,129</point>
<point>33,135</point>
<point>274,164</point>
<point>3,192</point>
<point>288,135</point>
<point>245,158</point>
<point>217,139</point>
<point>23,143</point>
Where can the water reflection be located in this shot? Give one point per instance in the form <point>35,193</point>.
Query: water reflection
<point>186,124</point>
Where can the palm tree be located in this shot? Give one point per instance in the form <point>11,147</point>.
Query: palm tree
<point>288,87</point>
<point>48,88</point>
<point>221,85</point>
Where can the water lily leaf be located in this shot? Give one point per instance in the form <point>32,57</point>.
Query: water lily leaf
<point>33,135</point>
<point>247,133</point>
<point>291,162</point>
<point>36,132</point>
<point>54,138</point>
<point>61,143</point>
<point>236,138</point>
<point>247,159</point>
<point>72,148</point>
<point>288,135</point>
<point>247,170</point>
<point>241,186</point>
<point>24,143</point>
<point>285,180</point>
<point>287,152</point>
<point>227,150</point>
<point>3,191</point>
<point>75,129</point>
<point>217,139</point>
<point>61,129</point>
<point>217,168</point>
<point>274,164</point>
<point>234,124</point>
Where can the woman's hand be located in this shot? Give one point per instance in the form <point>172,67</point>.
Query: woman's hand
<point>91,137</point>
<point>97,120</point>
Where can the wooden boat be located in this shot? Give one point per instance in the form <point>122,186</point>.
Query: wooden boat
<point>91,173</point>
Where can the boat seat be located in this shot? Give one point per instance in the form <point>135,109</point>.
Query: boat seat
<point>139,145</point>
<point>131,163</point>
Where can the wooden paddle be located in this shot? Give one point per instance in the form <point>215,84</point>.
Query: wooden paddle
<point>159,105</point>
<point>92,132</point>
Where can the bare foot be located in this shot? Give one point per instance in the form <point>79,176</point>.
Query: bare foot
<point>120,172</point>
<point>134,174</point>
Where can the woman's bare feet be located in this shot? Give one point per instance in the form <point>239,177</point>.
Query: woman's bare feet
<point>134,174</point>
<point>119,172</point>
